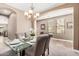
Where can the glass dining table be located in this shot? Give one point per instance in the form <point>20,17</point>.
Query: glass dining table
<point>18,46</point>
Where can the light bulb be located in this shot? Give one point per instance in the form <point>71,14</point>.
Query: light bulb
<point>37,14</point>
<point>26,13</point>
<point>30,11</point>
<point>29,16</point>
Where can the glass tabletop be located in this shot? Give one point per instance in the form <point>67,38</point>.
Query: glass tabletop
<point>27,39</point>
<point>18,46</point>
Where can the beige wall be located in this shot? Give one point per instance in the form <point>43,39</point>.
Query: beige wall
<point>68,32</point>
<point>17,23</point>
<point>23,24</point>
<point>52,26</point>
<point>48,23</point>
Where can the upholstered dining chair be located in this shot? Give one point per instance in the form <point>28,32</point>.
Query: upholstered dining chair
<point>47,43</point>
<point>39,47</point>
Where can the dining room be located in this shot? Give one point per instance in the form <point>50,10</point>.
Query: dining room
<point>38,29</point>
<point>20,34</point>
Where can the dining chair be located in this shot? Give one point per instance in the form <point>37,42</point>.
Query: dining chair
<point>47,43</point>
<point>5,33</point>
<point>38,48</point>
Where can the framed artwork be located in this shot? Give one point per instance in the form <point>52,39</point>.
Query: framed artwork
<point>69,25</point>
<point>42,26</point>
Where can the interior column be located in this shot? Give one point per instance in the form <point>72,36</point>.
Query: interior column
<point>76,26</point>
<point>12,26</point>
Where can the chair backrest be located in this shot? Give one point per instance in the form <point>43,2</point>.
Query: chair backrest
<point>40,45</point>
<point>48,41</point>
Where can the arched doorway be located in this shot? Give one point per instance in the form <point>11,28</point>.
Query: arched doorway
<point>7,23</point>
<point>3,24</point>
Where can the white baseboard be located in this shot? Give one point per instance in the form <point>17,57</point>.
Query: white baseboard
<point>71,41</point>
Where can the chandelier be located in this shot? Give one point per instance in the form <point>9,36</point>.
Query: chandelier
<point>30,13</point>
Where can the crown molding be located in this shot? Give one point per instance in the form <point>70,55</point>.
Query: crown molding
<point>61,6</point>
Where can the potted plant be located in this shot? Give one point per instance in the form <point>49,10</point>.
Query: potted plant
<point>32,33</point>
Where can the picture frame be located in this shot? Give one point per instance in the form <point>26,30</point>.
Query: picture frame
<point>42,26</point>
<point>69,25</point>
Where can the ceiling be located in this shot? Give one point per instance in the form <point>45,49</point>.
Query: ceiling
<point>38,7</point>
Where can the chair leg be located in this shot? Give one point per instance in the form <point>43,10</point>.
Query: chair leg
<point>48,51</point>
<point>43,54</point>
<point>23,53</point>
